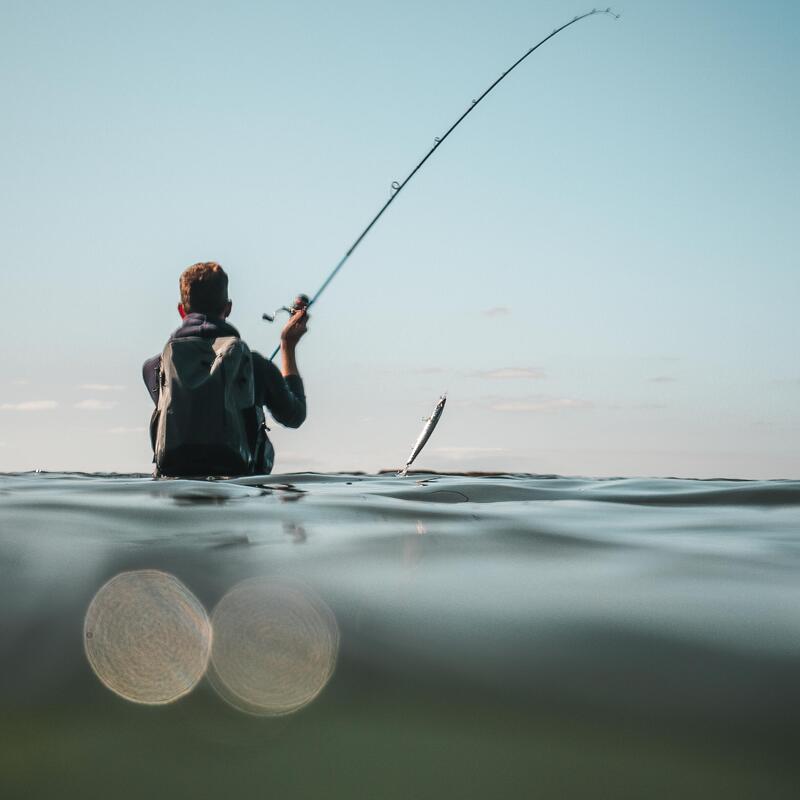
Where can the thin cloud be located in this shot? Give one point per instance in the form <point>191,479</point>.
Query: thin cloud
<point>535,405</point>
<point>511,373</point>
<point>497,311</point>
<point>461,453</point>
<point>662,379</point>
<point>102,387</point>
<point>121,431</point>
<point>503,373</point>
<point>20,382</point>
<point>95,405</point>
<point>291,459</point>
<point>29,405</point>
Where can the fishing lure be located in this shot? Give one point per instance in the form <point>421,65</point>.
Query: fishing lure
<point>430,423</point>
<point>398,186</point>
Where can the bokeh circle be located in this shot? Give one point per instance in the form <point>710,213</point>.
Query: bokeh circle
<point>275,646</point>
<point>147,637</point>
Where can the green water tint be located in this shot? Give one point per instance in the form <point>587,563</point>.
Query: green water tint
<point>497,636</point>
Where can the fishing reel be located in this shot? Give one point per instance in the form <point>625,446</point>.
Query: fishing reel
<point>301,302</point>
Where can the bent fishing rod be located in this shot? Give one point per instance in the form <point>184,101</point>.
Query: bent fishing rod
<point>302,301</point>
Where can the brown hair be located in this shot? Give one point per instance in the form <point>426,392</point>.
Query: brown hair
<point>204,288</point>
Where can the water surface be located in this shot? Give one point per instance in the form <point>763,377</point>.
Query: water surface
<point>497,636</point>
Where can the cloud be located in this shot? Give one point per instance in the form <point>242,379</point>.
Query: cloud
<point>20,382</point>
<point>510,373</point>
<point>29,405</point>
<point>534,405</point>
<point>497,311</point>
<point>102,387</point>
<point>461,453</point>
<point>662,379</point>
<point>95,405</point>
<point>786,381</point>
<point>123,430</point>
<point>292,459</point>
<point>504,373</point>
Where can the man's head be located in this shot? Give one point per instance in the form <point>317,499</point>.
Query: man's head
<point>204,290</point>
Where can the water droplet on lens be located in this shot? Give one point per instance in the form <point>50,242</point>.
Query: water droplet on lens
<point>147,637</point>
<point>275,647</point>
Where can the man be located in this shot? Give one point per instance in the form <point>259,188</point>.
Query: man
<point>210,389</point>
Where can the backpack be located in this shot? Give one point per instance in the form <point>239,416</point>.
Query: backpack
<point>200,425</point>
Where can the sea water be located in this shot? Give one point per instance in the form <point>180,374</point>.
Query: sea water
<point>349,636</point>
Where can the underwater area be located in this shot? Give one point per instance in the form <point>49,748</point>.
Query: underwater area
<point>350,635</point>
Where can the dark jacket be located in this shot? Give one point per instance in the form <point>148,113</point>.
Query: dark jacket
<point>284,397</point>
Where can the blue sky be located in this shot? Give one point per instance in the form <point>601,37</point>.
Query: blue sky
<point>600,265</point>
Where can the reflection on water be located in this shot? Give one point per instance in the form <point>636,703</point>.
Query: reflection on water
<point>275,647</point>
<point>295,531</point>
<point>147,637</point>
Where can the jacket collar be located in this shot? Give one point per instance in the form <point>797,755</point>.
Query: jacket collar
<point>205,326</point>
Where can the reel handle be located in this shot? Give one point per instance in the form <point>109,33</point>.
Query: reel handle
<point>300,303</point>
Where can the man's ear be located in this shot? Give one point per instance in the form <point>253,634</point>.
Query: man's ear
<point>226,312</point>
<point>181,310</point>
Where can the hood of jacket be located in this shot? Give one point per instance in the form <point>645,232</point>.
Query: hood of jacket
<point>204,326</point>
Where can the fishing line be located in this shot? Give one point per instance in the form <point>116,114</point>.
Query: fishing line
<point>302,301</point>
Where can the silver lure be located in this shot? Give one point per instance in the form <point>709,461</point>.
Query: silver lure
<point>430,423</point>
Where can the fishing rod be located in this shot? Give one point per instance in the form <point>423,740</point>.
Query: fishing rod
<point>302,301</point>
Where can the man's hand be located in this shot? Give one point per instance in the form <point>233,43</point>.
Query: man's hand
<point>295,328</point>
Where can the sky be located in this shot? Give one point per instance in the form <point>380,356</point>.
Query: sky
<point>599,266</point>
